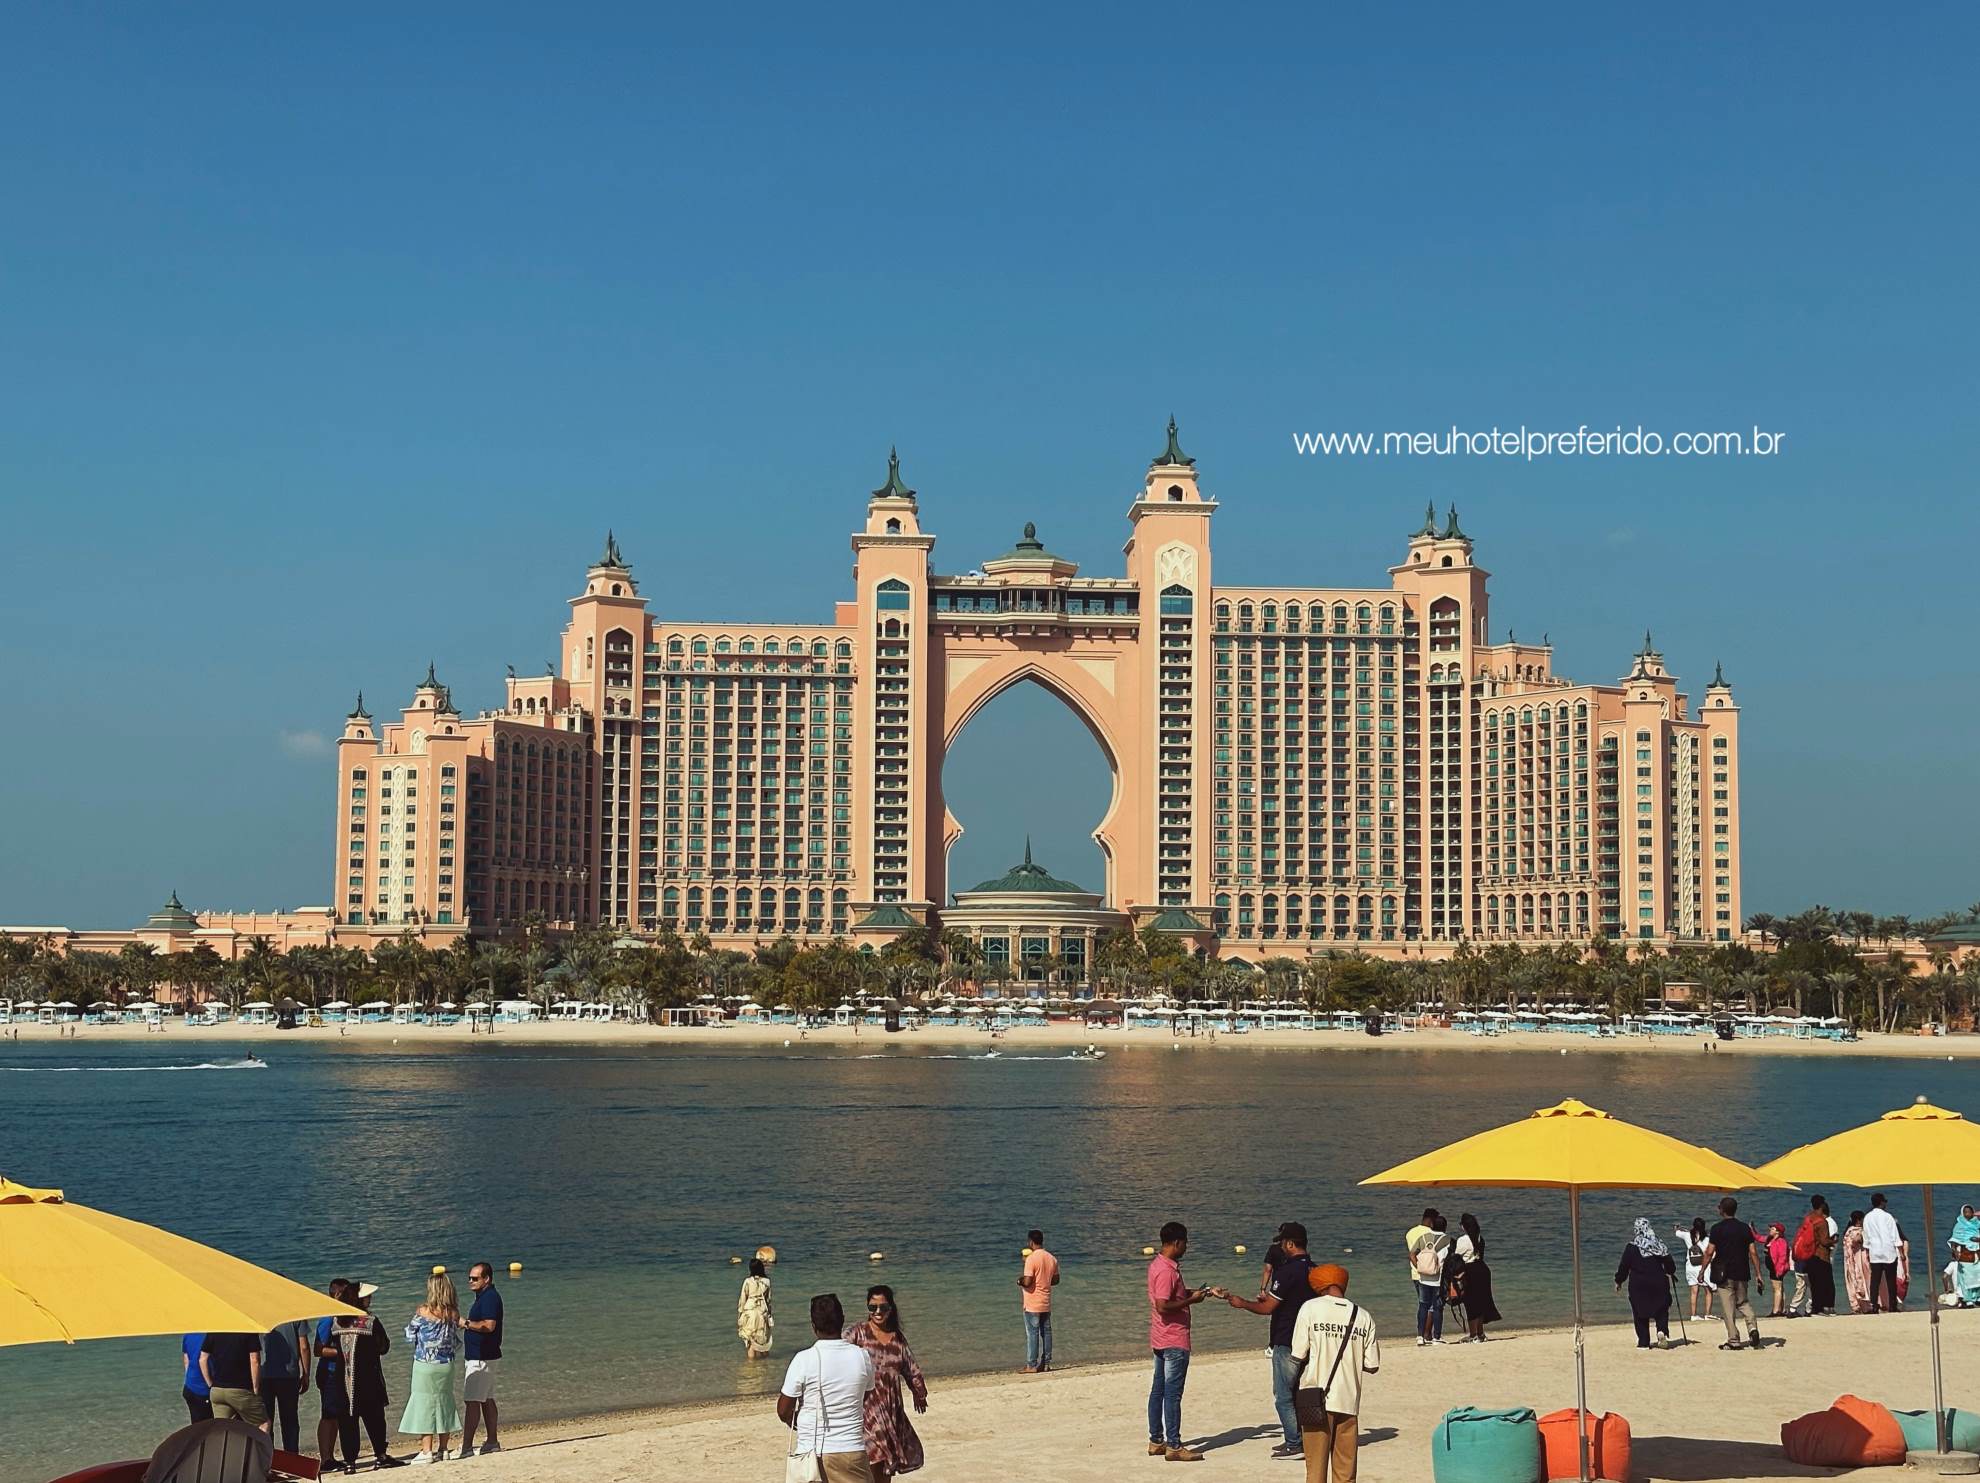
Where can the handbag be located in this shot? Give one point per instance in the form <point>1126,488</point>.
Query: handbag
<point>808,1467</point>
<point>1310,1401</point>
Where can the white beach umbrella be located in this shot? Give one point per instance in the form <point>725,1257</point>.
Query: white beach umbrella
<point>338,1004</point>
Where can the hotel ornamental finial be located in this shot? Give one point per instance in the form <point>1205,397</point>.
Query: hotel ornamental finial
<point>1429,520</point>
<point>431,682</point>
<point>1027,851</point>
<point>359,713</point>
<point>895,487</point>
<point>612,556</point>
<point>1451,530</point>
<point>1719,676</point>
<point>1173,456</point>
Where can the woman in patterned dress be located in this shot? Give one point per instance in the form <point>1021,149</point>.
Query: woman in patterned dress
<point>892,1448</point>
<point>753,1311</point>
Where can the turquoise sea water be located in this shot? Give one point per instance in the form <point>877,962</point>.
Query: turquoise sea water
<point>624,1178</point>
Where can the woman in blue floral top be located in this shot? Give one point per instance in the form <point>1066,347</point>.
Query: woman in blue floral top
<point>435,1331</point>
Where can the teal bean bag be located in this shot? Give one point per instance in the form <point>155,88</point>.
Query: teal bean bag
<point>1920,1435</point>
<point>1474,1446</point>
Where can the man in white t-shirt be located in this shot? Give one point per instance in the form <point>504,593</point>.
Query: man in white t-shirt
<point>824,1396</point>
<point>1334,1343</point>
<point>1880,1243</point>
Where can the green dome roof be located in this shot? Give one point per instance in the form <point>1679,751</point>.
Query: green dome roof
<point>1029,877</point>
<point>1030,548</point>
<point>171,917</point>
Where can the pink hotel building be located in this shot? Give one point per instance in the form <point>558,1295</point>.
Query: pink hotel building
<point>1294,769</point>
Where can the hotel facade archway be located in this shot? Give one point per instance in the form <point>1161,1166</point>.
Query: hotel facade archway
<point>1296,769</point>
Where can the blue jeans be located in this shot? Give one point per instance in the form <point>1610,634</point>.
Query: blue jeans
<point>1430,1305</point>
<point>1165,1396</point>
<point>1038,1340</point>
<point>1285,1380</point>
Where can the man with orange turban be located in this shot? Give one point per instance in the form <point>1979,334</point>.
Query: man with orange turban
<point>1334,1341</point>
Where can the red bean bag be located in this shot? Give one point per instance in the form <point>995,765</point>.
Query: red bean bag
<point>1853,1433</point>
<point>1608,1445</point>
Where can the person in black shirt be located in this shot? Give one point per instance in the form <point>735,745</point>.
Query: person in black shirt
<point>231,1364</point>
<point>1731,1257</point>
<point>1284,1292</point>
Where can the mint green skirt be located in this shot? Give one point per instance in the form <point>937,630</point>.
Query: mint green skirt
<point>431,1408</point>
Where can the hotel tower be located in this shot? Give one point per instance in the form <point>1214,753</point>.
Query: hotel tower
<point>1295,769</point>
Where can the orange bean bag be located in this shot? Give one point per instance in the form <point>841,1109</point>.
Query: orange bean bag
<point>1853,1433</point>
<point>1608,1445</point>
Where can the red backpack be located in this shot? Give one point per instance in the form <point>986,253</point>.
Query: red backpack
<point>1804,1239</point>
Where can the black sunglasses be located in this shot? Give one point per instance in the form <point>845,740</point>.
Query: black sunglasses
<point>879,1307</point>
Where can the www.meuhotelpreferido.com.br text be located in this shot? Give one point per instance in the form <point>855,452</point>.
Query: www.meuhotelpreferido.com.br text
<point>1532,443</point>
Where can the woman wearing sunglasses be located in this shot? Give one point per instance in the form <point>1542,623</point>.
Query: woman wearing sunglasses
<point>892,1448</point>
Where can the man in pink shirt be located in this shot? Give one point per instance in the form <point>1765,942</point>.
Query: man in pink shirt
<point>1041,1275</point>
<point>1169,1302</point>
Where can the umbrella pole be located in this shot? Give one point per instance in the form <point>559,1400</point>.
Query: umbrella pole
<point>1580,1364</point>
<point>1932,1303</point>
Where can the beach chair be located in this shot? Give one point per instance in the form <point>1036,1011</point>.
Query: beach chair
<point>228,1451</point>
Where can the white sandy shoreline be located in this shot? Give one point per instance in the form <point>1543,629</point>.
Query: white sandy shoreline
<point>1052,1036</point>
<point>1697,1413</point>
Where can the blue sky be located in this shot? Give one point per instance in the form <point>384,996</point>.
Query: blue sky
<point>333,342</point>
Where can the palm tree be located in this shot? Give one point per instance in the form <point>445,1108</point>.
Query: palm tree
<point>1841,985</point>
<point>1763,922</point>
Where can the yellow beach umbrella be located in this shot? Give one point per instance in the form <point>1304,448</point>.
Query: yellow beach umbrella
<point>1918,1145</point>
<point>1572,1146</point>
<point>68,1272</point>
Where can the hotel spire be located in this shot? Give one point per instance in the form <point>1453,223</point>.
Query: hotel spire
<point>894,488</point>
<point>1172,457</point>
<point>612,558</point>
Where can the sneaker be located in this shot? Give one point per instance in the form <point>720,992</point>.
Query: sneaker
<point>1753,1339</point>
<point>466,1450</point>
<point>1421,1342</point>
<point>1282,1450</point>
<point>488,1447</point>
<point>1184,1454</point>
<point>1156,1449</point>
<point>1732,1346</point>
<point>420,1459</point>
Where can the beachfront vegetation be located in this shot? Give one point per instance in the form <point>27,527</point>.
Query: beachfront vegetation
<point>1817,962</point>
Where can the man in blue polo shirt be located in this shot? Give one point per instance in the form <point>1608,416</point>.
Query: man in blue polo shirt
<point>484,1353</point>
<point>193,1389</point>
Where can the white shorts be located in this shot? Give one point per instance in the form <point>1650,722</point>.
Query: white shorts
<point>479,1384</point>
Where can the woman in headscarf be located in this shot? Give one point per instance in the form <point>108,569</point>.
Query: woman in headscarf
<point>1647,1268</point>
<point>1965,1244</point>
<point>753,1311</point>
<point>1856,1264</point>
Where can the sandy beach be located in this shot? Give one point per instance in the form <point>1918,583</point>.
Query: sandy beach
<point>1697,1413</point>
<point>1052,1036</point>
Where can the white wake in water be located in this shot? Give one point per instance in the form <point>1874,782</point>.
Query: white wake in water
<point>241,1065</point>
